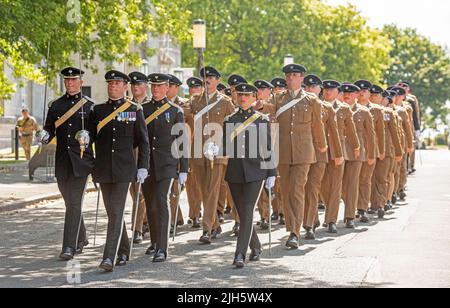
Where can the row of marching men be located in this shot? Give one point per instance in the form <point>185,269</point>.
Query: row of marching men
<point>354,146</point>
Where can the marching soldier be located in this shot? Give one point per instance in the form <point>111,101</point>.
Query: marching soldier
<point>279,85</point>
<point>301,133</point>
<point>332,182</point>
<point>139,88</point>
<point>221,88</point>
<point>384,168</point>
<point>66,117</point>
<point>233,81</point>
<point>27,126</point>
<point>366,134</point>
<point>193,190</point>
<point>367,170</point>
<point>246,174</point>
<point>167,162</point>
<point>209,111</point>
<point>117,127</point>
<point>313,84</point>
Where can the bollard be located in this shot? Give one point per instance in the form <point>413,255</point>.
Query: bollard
<point>16,144</point>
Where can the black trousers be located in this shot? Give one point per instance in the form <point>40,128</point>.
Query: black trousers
<point>245,197</point>
<point>72,189</point>
<point>117,241</point>
<point>157,201</point>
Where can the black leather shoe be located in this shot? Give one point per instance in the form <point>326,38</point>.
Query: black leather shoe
<point>107,265</point>
<point>332,228</point>
<point>394,199</point>
<point>239,261</point>
<point>381,213</point>
<point>215,233</point>
<point>205,238</point>
<point>160,256</point>
<point>221,218</point>
<point>275,216</point>
<point>122,260</point>
<point>316,225</point>
<point>350,224</point>
<point>255,255</point>
<point>67,254</point>
<point>310,234</point>
<point>138,238</point>
<point>371,211</point>
<point>282,221</point>
<point>196,223</point>
<point>81,246</point>
<point>321,206</point>
<point>292,241</point>
<point>151,250</point>
<point>402,196</point>
<point>264,225</point>
<point>363,216</point>
<point>227,210</point>
<point>235,230</point>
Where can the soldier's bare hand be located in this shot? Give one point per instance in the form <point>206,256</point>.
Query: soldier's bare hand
<point>398,159</point>
<point>371,162</point>
<point>339,161</point>
<point>357,153</point>
<point>382,156</point>
<point>323,150</point>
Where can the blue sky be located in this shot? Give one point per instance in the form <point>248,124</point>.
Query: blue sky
<point>430,17</point>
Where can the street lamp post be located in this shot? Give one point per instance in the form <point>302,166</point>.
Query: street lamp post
<point>199,41</point>
<point>288,59</point>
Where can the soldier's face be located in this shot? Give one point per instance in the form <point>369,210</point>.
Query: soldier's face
<point>385,101</point>
<point>117,89</point>
<point>330,94</point>
<point>364,95</point>
<point>376,98</point>
<point>246,100</point>
<point>196,90</point>
<point>234,95</point>
<point>173,91</point>
<point>139,90</point>
<point>278,90</point>
<point>73,85</point>
<point>212,83</point>
<point>264,94</point>
<point>314,89</point>
<point>159,91</point>
<point>294,81</point>
<point>25,114</point>
<point>350,98</point>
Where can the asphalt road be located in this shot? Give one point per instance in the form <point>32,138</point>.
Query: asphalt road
<point>409,248</point>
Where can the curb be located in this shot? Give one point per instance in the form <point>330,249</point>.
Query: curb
<point>27,202</point>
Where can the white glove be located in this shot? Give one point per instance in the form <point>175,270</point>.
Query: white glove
<point>142,175</point>
<point>182,178</point>
<point>83,138</point>
<point>270,183</point>
<point>43,137</point>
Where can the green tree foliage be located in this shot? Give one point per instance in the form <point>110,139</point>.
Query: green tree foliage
<point>114,30</point>
<point>425,64</point>
<point>252,37</point>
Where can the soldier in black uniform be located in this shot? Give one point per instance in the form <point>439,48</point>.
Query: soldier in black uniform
<point>65,118</point>
<point>117,127</point>
<point>247,143</point>
<point>167,162</point>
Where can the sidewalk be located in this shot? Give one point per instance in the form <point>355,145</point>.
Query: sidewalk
<point>18,192</point>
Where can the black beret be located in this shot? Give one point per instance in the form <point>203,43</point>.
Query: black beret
<point>72,73</point>
<point>279,82</point>
<point>294,68</point>
<point>158,78</point>
<point>349,88</point>
<point>235,79</point>
<point>363,84</point>
<point>174,80</point>
<point>209,71</point>
<point>262,84</point>
<point>375,89</point>
<point>331,84</point>
<point>246,88</point>
<point>385,94</point>
<point>194,82</point>
<point>221,87</point>
<point>137,77</point>
<point>312,80</point>
<point>398,91</point>
<point>116,75</point>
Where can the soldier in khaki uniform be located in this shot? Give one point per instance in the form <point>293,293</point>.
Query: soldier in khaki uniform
<point>209,110</point>
<point>193,190</point>
<point>316,173</point>
<point>385,168</point>
<point>332,181</point>
<point>301,133</point>
<point>279,85</point>
<point>367,170</point>
<point>366,134</point>
<point>139,88</point>
<point>27,125</point>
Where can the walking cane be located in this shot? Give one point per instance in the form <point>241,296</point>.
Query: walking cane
<point>135,218</point>
<point>96,213</point>
<point>270,222</point>
<point>180,190</point>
